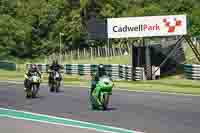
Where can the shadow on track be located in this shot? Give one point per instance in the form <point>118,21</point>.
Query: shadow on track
<point>110,109</point>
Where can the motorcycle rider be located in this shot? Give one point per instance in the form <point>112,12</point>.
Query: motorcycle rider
<point>100,72</point>
<point>56,67</point>
<point>28,74</point>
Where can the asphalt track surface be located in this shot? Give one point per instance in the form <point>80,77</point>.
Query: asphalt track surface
<point>8,125</point>
<point>149,112</point>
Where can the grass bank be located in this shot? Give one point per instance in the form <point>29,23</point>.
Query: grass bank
<point>124,59</point>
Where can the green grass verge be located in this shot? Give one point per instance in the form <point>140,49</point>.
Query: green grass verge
<point>18,76</point>
<point>173,84</point>
<point>188,87</point>
<point>125,59</point>
<point>100,60</point>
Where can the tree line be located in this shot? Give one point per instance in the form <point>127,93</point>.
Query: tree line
<point>31,28</point>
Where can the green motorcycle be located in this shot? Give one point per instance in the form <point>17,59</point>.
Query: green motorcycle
<point>101,94</point>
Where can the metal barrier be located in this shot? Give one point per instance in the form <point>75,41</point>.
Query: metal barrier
<point>192,71</point>
<point>116,71</point>
<point>7,65</point>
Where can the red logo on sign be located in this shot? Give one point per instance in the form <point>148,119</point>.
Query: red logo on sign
<point>172,24</point>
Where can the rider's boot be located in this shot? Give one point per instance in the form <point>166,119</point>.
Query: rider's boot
<point>25,84</point>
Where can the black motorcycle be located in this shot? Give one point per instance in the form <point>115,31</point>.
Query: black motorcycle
<point>54,81</point>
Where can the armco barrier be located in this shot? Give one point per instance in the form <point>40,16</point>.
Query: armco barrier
<point>139,73</point>
<point>7,65</point>
<point>192,71</point>
<point>116,71</point>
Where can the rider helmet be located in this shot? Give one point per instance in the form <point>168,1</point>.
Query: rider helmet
<point>101,69</point>
<point>55,62</point>
<point>34,66</point>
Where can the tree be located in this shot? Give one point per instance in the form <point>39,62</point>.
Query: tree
<point>15,37</point>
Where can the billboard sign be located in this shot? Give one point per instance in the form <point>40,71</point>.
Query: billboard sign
<point>148,26</point>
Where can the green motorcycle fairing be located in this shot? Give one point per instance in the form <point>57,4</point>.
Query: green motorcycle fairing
<point>104,85</point>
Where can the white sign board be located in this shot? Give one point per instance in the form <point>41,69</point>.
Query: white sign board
<point>147,26</point>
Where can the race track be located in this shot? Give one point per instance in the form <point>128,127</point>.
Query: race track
<point>8,125</point>
<point>149,112</point>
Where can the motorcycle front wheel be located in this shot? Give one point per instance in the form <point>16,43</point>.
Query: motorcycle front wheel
<point>105,101</point>
<point>93,102</point>
<point>34,90</point>
<point>51,86</point>
<point>57,86</point>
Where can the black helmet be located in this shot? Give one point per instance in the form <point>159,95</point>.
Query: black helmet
<point>101,68</point>
<point>34,66</point>
<point>55,62</point>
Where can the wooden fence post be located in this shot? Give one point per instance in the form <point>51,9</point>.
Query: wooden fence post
<point>113,51</point>
<point>91,53</point>
<point>78,53</point>
<point>71,54</point>
<point>106,51</point>
<point>98,51</point>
